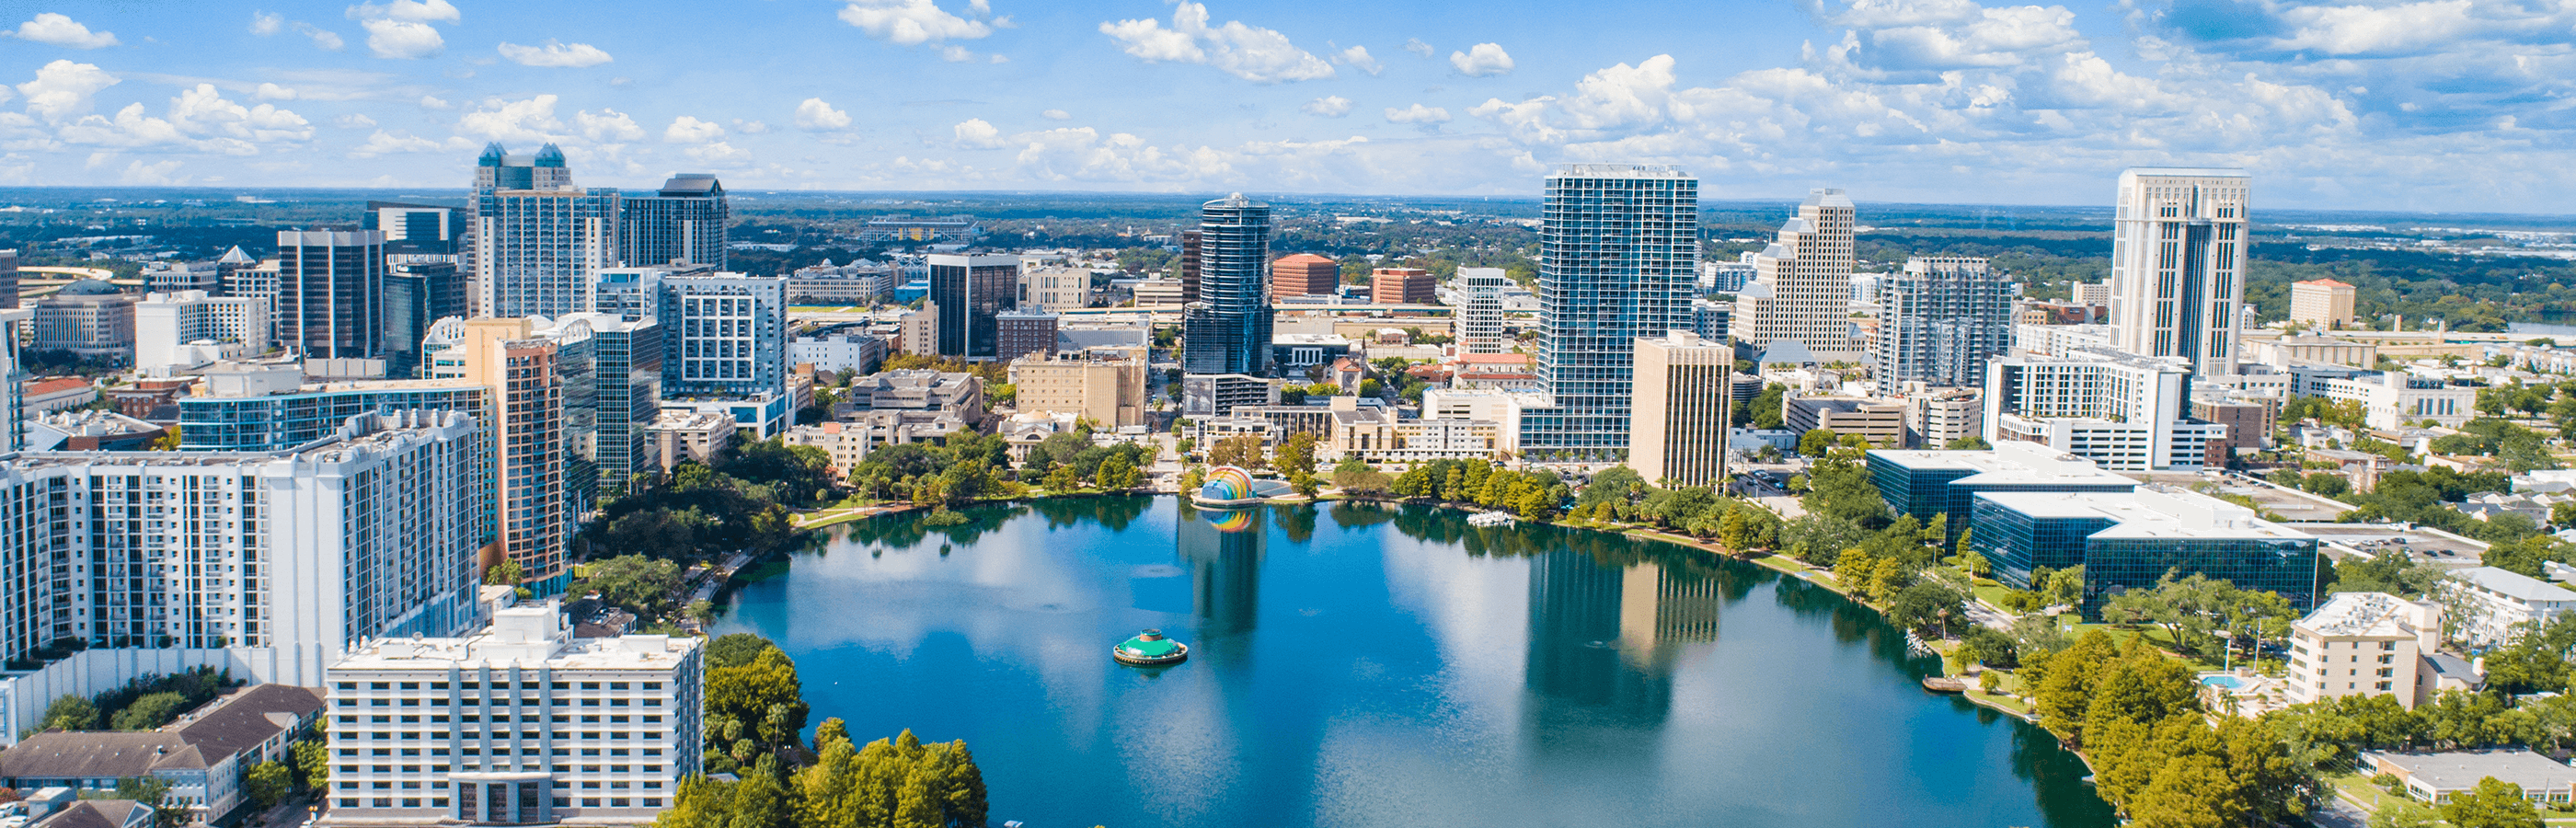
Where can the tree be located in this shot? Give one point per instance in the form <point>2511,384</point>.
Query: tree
<point>267,784</point>
<point>505,573</point>
<point>1356,476</point>
<point>759,701</point>
<point>2492,804</point>
<point>1927,605</point>
<point>1241,451</point>
<point>70,713</point>
<point>154,792</point>
<point>1062,479</point>
<point>313,762</point>
<point>2403,812</point>
<point>1117,473</point>
<point>648,587</point>
<point>151,711</point>
<point>1296,454</point>
<point>1766,406</point>
<point>1816,442</point>
<point>1968,443</point>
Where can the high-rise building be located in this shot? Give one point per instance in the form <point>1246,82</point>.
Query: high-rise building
<point>1941,319</point>
<point>1480,310</point>
<point>2177,264</point>
<point>1189,266</point>
<point>535,456</point>
<point>290,557</point>
<point>1226,330</point>
<point>1110,392</point>
<point>2324,302</point>
<point>919,329</point>
<point>627,372</point>
<point>166,322</point>
<point>13,377</point>
<point>1304,274</point>
<point>527,665</point>
<point>8,280</point>
<point>1402,286</point>
<point>684,222</point>
<point>330,293</point>
<point>537,239</point>
<point>1620,248</point>
<point>970,289</point>
<point>2123,411</point>
<point>725,334</point>
<point>1021,332</point>
<point>417,295</point>
<point>1677,430</point>
<point>427,229</point>
<point>1055,288</point>
<point>270,408</point>
<point>1713,320</point>
<point>1805,278</point>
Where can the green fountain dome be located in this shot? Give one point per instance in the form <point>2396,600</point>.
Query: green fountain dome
<point>1150,647</point>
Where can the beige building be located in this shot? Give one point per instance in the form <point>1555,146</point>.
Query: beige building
<point>1110,392</point>
<point>1936,416</point>
<point>1882,422</point>
<point>688,435</point>
<point>1159,292</point>
<point>1377,435</point>
<point>2322,301</point>
<point>2362,644</point>
<point>2324,350</point>
<point>1677,424</point>
<point>527,412</point>
<point>1805,281</point>
<point>920,329</point>
<point>847,443</point>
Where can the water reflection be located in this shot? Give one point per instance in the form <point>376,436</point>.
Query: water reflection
<point>1223,548</point>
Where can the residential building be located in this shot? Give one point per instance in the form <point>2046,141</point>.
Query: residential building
<point>540,477</point>
<point>1226,330</point>
<point>682,223</point>
<point>1111,392</point>
<point>2091,293</point>
<point>917,229</point>
<point>205,757</point>
<point>846,443</point>
<point>856,283</point>
<point>1936,416</point>
<point>1186,285</point>
<point>1402,286</point>
<point>1019,333</point>
<point>1806,281</point>
<point>301,553</point>
<point>2437,777</point>
<point>2495,600</point>
<point>8,280</point>
<point>2130,540</point>
<point>724,334</point>
<point>1217,395</point>
<point>330,293</point>
<point>2248,420</point>
<point>765,414</point>
<point>1941,319</point>
<point>2395,399</point>
<point>1375,434</point>
<point>2324,302</point>
<point>1480,310</point>
<point>2362,644</point>
<point>2123,411</point>
<point>1054,288</point>
<point>527,666</point>
<point>88,317</point>
<point>2177,263</point>
<point>2059,340</point>
<point>970,290</point>
<point>839,353</point>
<point>13,373</point>
<point>1677,427</point>
<point>1881,422</point>
<point>696,436</point>
<point>417,295</point>
<point>168,328</point>
<point>1304,274</point>
<point>537,240</point>
<point>1944,484</point>
<point>1712,320</point>
<point>1619,248</point>
<point>1725,276</point>
<point>919,330</point>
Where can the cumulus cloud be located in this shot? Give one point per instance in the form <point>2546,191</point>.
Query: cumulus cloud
<point>750,127</point>
<point>1056,115</point>
<point>60,30</point>
<point>909,22</point>
<point>392,143</point>
<point>689,130</point>
<point>1329,106</point>
<point>1416,46</point>
<point>63,89</point>
<point>816,116</point>
<point>199,119</point>
<point>269,23</point>
<point>609,126</point>
<point>353,121</point>
<point>266,23</point>
<point>434,102</point>
<point>1357,57</point>
<point>1426,117</point>
<point>154,174</point>
<point>1248,52</point>
<point>956,54</point>
<point>555,54</point>
<point>499,119</point>
<point>1481,60</point>
<point>974,133</point>
<point>401,29</point>
<point>273,92</point>
<point>718,154</point>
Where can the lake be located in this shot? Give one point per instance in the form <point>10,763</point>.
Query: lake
<point>1362,665</point>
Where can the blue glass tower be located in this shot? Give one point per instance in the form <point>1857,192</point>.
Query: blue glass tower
<point>1227,331</point>
<point>1620,256</point>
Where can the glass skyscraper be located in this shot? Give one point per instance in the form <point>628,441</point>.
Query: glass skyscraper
<point>330,292</point>
<point>538,239</point>
<point>683,222</point>
<point>970,291</point>
<point>1227,329</point>
<point>1620,248</point>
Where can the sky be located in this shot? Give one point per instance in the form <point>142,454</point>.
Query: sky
<point>2396,105</point>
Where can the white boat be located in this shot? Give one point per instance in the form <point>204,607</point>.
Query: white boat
<point>1491,519</point>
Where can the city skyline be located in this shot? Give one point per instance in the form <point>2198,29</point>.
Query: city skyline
<point>2338,106</point>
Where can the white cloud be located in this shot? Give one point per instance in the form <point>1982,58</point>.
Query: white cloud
<point>434,102</point>
<point>555,54</point>
<point>59,30</point>
<point>155,174</point>
<point>1416,46</point>
<point>1082,154</point>
<point>353,121</point>
<point>266,23</point>
<point>269,23</point>
<point>1357,57</point>
<point>974,133</point>
<point>718,154</point>
<point>1056,115</point>
<point>273,92</point>
<point>689,130</point>
<point>816,116</point>
<point>1481,60</point>
<point>1418,115</point>
<point>390,143</point>
<point>956,54</point>
<point>909,22</point>
<point>1329,106</point>
<point>323,38</point>
<point>504,120</point>
<point>609,126</point>
<point>1251,53</point>
<point>401,28</point>
<point>63,88</point>
<point>750,127</point>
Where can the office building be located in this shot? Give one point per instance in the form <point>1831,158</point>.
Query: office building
<point>1226,330</point>
<point>1402,286</point>
<point>8,280</point>
<point>1480,310</point>
<point>1926,484</point>
<point>267,408</point>
<point>624,363</point>
<point>1936,416</point>
<point>1805,281</point>
<point>537,240</point>
<point>839,353</point>
<point>330,293</point>
<point>691,436</point>
<point>1619,247</point>
<point>1941,319</point>
<point>1111,392</point>
<point>293,555</point>
<point>1021,332</point>
<point>88,317</point>
<point>14,323</point>
<point>846,443</point>
<point>682,223</point>
<point>2494,600</point>
<point>168,328</point>
<point>1054,288</point>
<point>725,334</point>
<point>419,229</point>
<point>2362,644</point>
<point>2397,399</point>
<point>2123,411</point>
<point>1677,431</point>
<point>172,277</point>
<point>856,283</point>
<point>1712,320</point>
<point>417,295</point>
<point>970,290</point>
<point>641,702</point>
<point>1881,422</point>
<point>1304,274</point>
<point>2177,260</point>
<point>2323,302</point>
<point>1217,395</point>
<point>2129,541</point>
<point>2435,778</point>
<point>918,330</point>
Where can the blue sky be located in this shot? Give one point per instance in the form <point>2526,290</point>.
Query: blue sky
<point>2416,105</point>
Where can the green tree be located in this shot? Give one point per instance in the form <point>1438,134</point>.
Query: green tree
<point>1296,455</point>
<point>154,792</point>
<point>1766,407</point>
<point>267,783</point>
<point>649,587</point>
<point>1816,442</point>
<point>505,573</point>
<point>313,762</point>
<point>70,713</point>
<point>1062,479</point>
<point>151,711</point>
<point>1117,473</point>
<point>1968,443</point>
<point>2492,804</point>
<point>1241,451</point>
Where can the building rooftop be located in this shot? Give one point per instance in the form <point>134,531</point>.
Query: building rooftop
<point>2011,462</point>
<point>2325,283</point>
<point>2513,585</point>
<point>521,636</point>
<point>2151,512</point>
<point>2463,769</point>
<point>1303,258</point>
<point>2363,615</point>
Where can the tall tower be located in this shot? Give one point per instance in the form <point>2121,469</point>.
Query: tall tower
<point>1620,254</point>
<point>684,222</point>
<point>537,238</point>
<point>1808,275</point>
<point>1227,330</point>
<point>1480,317</point>
<point>1941,319</point>
<point>970,290</point>
<point>2177,264</point>
<point>1682,415</point>
<point>331,292</point>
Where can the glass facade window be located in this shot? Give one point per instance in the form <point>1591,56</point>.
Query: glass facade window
<point>2284,565</point>
<point>1620,247</point>
<point>1226,329</point>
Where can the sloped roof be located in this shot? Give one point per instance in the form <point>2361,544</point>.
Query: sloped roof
<point>96,754</point>
<point>99,813</point>
<point>242,720</point>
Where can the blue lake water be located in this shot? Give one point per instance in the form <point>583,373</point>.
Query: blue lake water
<point>1357,665</point>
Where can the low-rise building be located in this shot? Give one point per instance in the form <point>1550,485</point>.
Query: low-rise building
<point>2131,540</point>
<point>2436,777</point>
<point>688,436</point>
<point>839,353</point>
<point>205,756</point>
<point>1217,395</point>
<point>1934,417</point>
<point>2123,411</point>
<point>2392,399</point>
<point>1925,484</point>
<point>1111,392</point>
<point>919,389</point>
<point>2362,644</point>
<point>88,317</point>
<point>90,431</point>
<point>59,393</point>
<point>2493,601</point>
<point>847,443</point>
<point>1881,422</point>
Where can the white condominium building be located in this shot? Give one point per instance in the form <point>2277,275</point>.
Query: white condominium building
<point>1480,310</point>
<point>13,388</point>
<point>1805,280</point>
<point>519,723</point>
<point>166,323</point>
<point>2495,600</point>
<point>2119,410</point>
<point>2177,264</point>
<point>2396,399</point>
<point>289,557</point>
<point>2362,644</point>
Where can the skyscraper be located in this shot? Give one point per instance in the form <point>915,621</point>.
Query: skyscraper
<point>1227,329</point>
<point>969,290</point>
<point>726,334</point>
<point>417,295</point>
<point>682,222</point>
<point>13,375</point>
<point>527,409</point>
<point>1681,415</point>
<point>2177,258</point>
<point>330,293</point>
<point>1806,279</point>
<point>1621,253</point>
<point>537,246</point>
<point>1941,319</point>
<point>1480,314</point>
